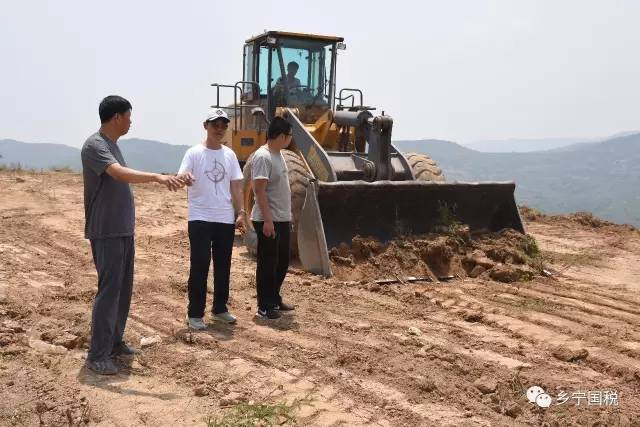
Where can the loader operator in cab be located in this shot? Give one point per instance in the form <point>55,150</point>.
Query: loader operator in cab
<point>287,88</point>
<point>290,80</point>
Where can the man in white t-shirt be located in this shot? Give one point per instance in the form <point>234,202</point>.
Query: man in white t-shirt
<point>215,206</point>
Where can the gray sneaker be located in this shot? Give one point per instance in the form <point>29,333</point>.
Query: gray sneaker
<point>196,323</point>
<point>225,317</point>
<point>102,367</point>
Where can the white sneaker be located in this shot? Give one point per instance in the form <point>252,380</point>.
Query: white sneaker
<point>225,317</point>
<point>196,323</point>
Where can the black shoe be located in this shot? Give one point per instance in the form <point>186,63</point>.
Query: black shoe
<point>283,306</point>
<point>102,367</point>
<point>122,349</point>
<point>268,314</point>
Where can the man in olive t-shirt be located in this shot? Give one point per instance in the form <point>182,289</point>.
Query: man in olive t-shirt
<point>110,219</point>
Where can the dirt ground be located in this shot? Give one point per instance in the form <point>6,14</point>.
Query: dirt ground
<point>460,352</point>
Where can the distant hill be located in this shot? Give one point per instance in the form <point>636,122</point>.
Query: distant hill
<point>524,145</point>
<point>139,153</point>
<point>520,145</point>
<point>38,155</point>
<point>599,177</point>
<point>152,155</point>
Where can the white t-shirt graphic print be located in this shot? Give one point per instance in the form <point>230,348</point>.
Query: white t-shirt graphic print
<point>210,195</point>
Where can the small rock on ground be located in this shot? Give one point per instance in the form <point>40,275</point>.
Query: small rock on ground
<point>486,385</point>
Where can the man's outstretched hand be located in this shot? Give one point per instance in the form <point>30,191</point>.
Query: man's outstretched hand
<point>172,182</point>
<point>187,178</point>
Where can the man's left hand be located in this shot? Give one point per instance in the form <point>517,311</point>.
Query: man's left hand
<point>240,222</point>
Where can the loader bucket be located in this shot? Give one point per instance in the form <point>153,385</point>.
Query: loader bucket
<point>389,209</point>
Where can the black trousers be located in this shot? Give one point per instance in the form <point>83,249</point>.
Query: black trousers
<point>272,263</point>
<point>114,263</point>
<point>209,240</point>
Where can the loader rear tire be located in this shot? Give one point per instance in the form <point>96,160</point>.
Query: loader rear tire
<point>424,168</point>
<point>298,181</point>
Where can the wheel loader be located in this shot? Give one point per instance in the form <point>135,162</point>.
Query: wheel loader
<point>347,178</point>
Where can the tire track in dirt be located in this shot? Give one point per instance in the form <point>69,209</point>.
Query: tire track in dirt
<point>520,326</point>
<point>267,337</point>
<point>380,324</point>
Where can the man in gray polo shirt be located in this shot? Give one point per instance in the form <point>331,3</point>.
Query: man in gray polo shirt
<point>110,220</point>
<point>271,218</point>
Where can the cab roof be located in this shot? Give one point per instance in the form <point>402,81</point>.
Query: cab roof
<point>296,36</point>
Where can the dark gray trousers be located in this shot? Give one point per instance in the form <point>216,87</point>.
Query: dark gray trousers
<point>209,240</point>
<point>114,262</point>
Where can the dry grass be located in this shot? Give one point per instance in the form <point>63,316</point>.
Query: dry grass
<point>260,414</point>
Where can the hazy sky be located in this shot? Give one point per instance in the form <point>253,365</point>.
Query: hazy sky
<point>457,70</point>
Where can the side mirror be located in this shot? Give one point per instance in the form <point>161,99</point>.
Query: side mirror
<point>259,112</point>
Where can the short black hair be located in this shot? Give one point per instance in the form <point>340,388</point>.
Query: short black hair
<point>112,105</point>
<point>277,127</point>
<point>293,64</point>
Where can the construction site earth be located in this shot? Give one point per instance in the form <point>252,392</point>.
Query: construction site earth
<point>450,328</point>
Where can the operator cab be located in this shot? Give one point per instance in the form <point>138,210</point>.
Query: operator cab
<point>291,70</point>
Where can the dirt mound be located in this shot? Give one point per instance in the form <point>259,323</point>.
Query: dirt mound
<point>531,214</point>
<point>585,219</point>
<point>506,256</point>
